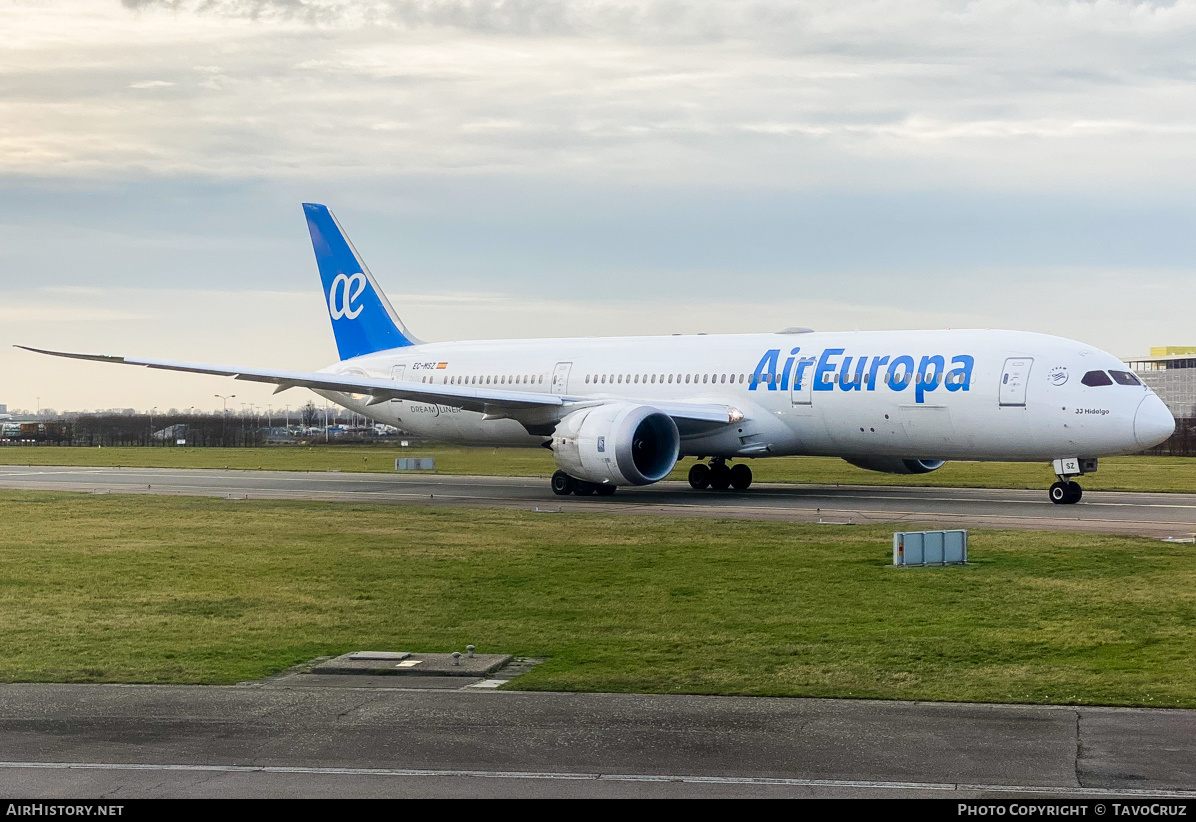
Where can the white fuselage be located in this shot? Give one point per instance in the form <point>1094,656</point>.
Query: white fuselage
<point>967,394</point>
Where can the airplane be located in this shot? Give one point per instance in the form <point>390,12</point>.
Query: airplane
<point>622,411</point>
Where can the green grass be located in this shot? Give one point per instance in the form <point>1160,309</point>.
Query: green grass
<point>157,589</point>
<point>1176,474</point>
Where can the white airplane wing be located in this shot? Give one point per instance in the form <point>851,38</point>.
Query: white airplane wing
<point>488,400</point>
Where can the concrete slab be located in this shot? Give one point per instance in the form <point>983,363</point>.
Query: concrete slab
<point>422,665</point>
<point>384,656</point>
<point>1137,749</point>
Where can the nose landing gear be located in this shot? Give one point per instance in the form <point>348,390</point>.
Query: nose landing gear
<point>1066,493</point>
<point>719,476</point>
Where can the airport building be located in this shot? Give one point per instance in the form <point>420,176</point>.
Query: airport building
<point>1171,372</point>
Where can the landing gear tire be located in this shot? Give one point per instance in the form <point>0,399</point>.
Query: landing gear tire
<point>1066,493</point>
<point>1058,493</point>
<point>563,484</point>
<point>699,476</point>
<point>583,489</point>
<point>741,477</point>
<point>1076,492</point>
<point>720,476</point>
<point>605,490</point>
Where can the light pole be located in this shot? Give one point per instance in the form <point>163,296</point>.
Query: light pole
<point>224,418</point>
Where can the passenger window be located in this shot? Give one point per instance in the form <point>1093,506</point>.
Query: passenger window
<point>1095,378</point>
<point>670,379</point>
<point>1124,378</point>
<point>637,378</point>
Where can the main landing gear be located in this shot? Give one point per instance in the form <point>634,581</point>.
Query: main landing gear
<point>563,485</point>
<point>720,476</point>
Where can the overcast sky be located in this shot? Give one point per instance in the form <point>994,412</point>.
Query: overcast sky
<point>540,167</point>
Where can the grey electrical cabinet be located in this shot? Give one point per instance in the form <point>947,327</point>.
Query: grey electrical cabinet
<point>415,464</point>
<point>922,548</point>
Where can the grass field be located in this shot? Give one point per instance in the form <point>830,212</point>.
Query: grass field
<point>1177,474</point>
<point>158,589</point>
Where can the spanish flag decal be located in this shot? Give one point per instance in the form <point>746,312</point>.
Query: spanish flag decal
<point>441,365</point>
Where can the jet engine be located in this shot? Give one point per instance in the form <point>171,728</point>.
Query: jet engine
<point>896,465</point>
<point>617,444</point>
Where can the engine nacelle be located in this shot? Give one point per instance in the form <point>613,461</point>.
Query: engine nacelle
<point>896,465</point>
<point>617,444</point>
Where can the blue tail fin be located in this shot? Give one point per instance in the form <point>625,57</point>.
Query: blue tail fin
<point>363,320</point>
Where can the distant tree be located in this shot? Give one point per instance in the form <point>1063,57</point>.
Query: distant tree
<point>309,413</point>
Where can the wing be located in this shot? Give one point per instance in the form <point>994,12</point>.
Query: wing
<point>487,400</point>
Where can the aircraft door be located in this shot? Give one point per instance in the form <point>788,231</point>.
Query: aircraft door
<point>397,372</point>
<point>560,377</point>
<point>1014,377</point>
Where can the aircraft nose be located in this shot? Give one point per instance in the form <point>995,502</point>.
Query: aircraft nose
<point>1153,423</point>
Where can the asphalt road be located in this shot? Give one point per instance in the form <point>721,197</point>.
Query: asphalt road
<point>1158,515</point>
<point>283,739</point>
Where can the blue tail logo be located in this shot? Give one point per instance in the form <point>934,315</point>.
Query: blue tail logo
<point>363,320</point>
<point>341,295</point>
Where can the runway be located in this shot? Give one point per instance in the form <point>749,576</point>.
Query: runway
<point>1155,515</point>
<point>276,739</point>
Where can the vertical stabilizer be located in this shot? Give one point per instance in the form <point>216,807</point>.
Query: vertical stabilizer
<point>363,320</point>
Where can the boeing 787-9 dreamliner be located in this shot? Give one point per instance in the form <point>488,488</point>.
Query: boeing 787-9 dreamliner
<point>621,411</point>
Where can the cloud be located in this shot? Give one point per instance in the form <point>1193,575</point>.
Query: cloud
<point>884,93</point>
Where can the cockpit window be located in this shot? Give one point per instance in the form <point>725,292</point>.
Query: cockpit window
<point>1124,378</point>
<point>1095,378</point>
